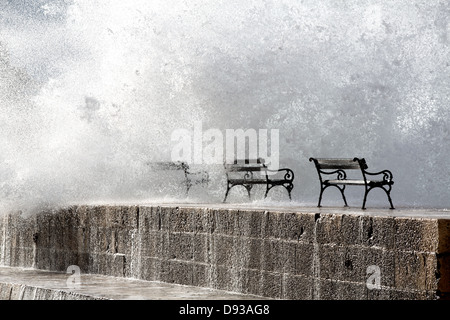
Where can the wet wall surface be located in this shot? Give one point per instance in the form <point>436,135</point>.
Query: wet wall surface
<point>296,254</point>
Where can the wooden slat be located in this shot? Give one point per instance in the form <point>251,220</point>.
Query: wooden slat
<point>247,181</point>
<point>349,182</point>
<point>237,168</point>
<point>166,165</point>
<point>325,163</point>
<point>248,161</point>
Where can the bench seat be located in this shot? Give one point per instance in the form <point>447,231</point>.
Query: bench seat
<point>244,181</point>
<point>336,167</point>
<point>249,172</point>
<point>355,182</point>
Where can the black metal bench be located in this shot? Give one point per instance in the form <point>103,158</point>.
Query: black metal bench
<point>250,172</point>
<point>338,167</point>
<point>191,178</point>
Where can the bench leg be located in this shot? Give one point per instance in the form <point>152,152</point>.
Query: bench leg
<point>289,188</point>
<point>249,188</point>
<point>226,193</point>
<point>390,200</point>
<point>388,193</point>
<point>322,189</point>
<point>320,195</point>
<point>343,195</point>
<point>188,187</point>
<point>267,190</point>
<point>365,198</point>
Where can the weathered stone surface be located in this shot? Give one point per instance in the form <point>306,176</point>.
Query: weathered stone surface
<point>444,236</point>
<point>297,287</point>
<point>416,234</point>
<point>278,254</point>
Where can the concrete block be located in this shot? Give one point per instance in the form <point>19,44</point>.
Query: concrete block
<point>182,220</point>
<point>148,268</point>
<point>247,223</point>
<point>121,217</point>
<point>273,255</point>
<point>181,246</point>
<point>42,258</point>
<point>222,250</point>
<point>200,274</point>
<point>379,259</point>
<point>83,260</point>
<point>416,234</point>
<point>150,243</point>
<point>378,231</point>
<point>443,272</point>
<point>238,279</point>
<point>149,219</point>
<point>201,248</point>
<point>5,291</point>
<point>411,295</point>
<point>327,228</point>
<point>125,239</point>
<point>83,237</point>
<point>224,221</point>
<point>28,293</point>
<point>272,284</point>
<point>351,290</point>
<point>116,264</point>
<point>415,271</point>
<point>221,277</point>
<point>297,287</point>
<point>298,226</point>
<point>164,214</point>
<point>302,257</point>
<point>325,289</point>
<point>97,216</point>
<point>444,236</point>
<point>330,262</point>
<point>100,240</point>
<point>202,221</point>
<point>256,224</point>
<point>377,294</point>
<point>255,256</point>
<point>254,282</point>
<point>353,267</point>
<point>16,292</point>
<point>274,223</point>
<point>350,232</point>
<point>241,252</point>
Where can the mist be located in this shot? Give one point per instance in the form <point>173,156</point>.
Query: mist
<point>90,93</point>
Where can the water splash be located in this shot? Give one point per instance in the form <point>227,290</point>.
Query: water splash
<point>91,92</point>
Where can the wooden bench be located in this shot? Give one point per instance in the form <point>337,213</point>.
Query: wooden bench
<point>250,172</point>
<point>191,178</point>
<point>338,167</point>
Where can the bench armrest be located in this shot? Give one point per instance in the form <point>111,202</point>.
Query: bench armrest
<point>387,175</point>
<point>288,175</point>
<point>201,175</point>
<point>341,174</point>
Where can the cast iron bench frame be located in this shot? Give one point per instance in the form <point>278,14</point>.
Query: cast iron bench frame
<point>191,178</point>
<point>338,167</point>
<point>250,166</point>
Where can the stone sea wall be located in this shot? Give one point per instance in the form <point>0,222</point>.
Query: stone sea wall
<point>283,255</point>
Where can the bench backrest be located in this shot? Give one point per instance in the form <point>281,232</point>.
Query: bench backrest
<point>246,165</point>
<point>167,165</point>
<point>340,164</point>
